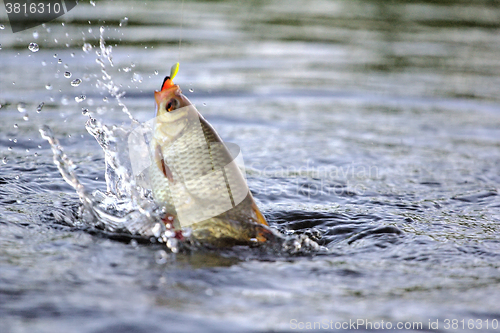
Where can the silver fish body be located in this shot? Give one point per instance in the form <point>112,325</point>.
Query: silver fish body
<point>195,176</point>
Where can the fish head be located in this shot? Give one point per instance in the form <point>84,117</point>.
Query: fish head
<point>169,98</point>
<point>174,112</point>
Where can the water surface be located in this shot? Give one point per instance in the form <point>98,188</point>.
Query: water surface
<point>372,127</point>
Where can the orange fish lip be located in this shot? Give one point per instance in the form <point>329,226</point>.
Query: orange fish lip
<point>167,83</point>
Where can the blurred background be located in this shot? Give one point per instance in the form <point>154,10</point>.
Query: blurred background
<point>370,126</point>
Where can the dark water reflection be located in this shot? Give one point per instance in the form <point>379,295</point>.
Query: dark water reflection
<point>372,127</point>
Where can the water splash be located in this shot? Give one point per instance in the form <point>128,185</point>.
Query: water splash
<point>123,208</point>
<point>104,54</point>
<point>65,165</point>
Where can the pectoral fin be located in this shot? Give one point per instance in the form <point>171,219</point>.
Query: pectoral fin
<point>160,161</point>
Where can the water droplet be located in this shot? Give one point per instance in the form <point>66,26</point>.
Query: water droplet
<point>105,99</point>
<point>21,107</point>
<point>126,69</point>
<point>161,257</point>
<point>67,75</point>
<point>137,77</point>
<point>9,148</point>
<point>80,98</point>
<point>124,22</point>
<point>5,160</point>
<point>172,245</point>
<point>85,111</point>
<point>55,55</point>
<point>92,2</point>
<point>27,150</point>
<point>33,47</point>
<point>72,54</point>
<point>132,65</point>
<point>15,140</point>
<point>87,47</point>
<point>26,117</point>
<point>48,86</point>
<point>16,177</point>
<point>35,34</point>
<point>101,30</point>
<point>64,100</point>
<point>76,82</point>
<point>0,46</point>
<point>16,126</point>
<point>35,154</point>
<point>39,107</point>
<point>156,72</point>
<point>59,61</point>
<point>191,89</point>
<point>204,104</point>
<point>44,63</point>
<point>39,146</point>
<point>2,27</point>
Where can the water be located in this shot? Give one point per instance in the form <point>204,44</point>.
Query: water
<point>370,127</point>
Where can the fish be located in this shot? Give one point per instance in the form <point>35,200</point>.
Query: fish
<point>195,176</point>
